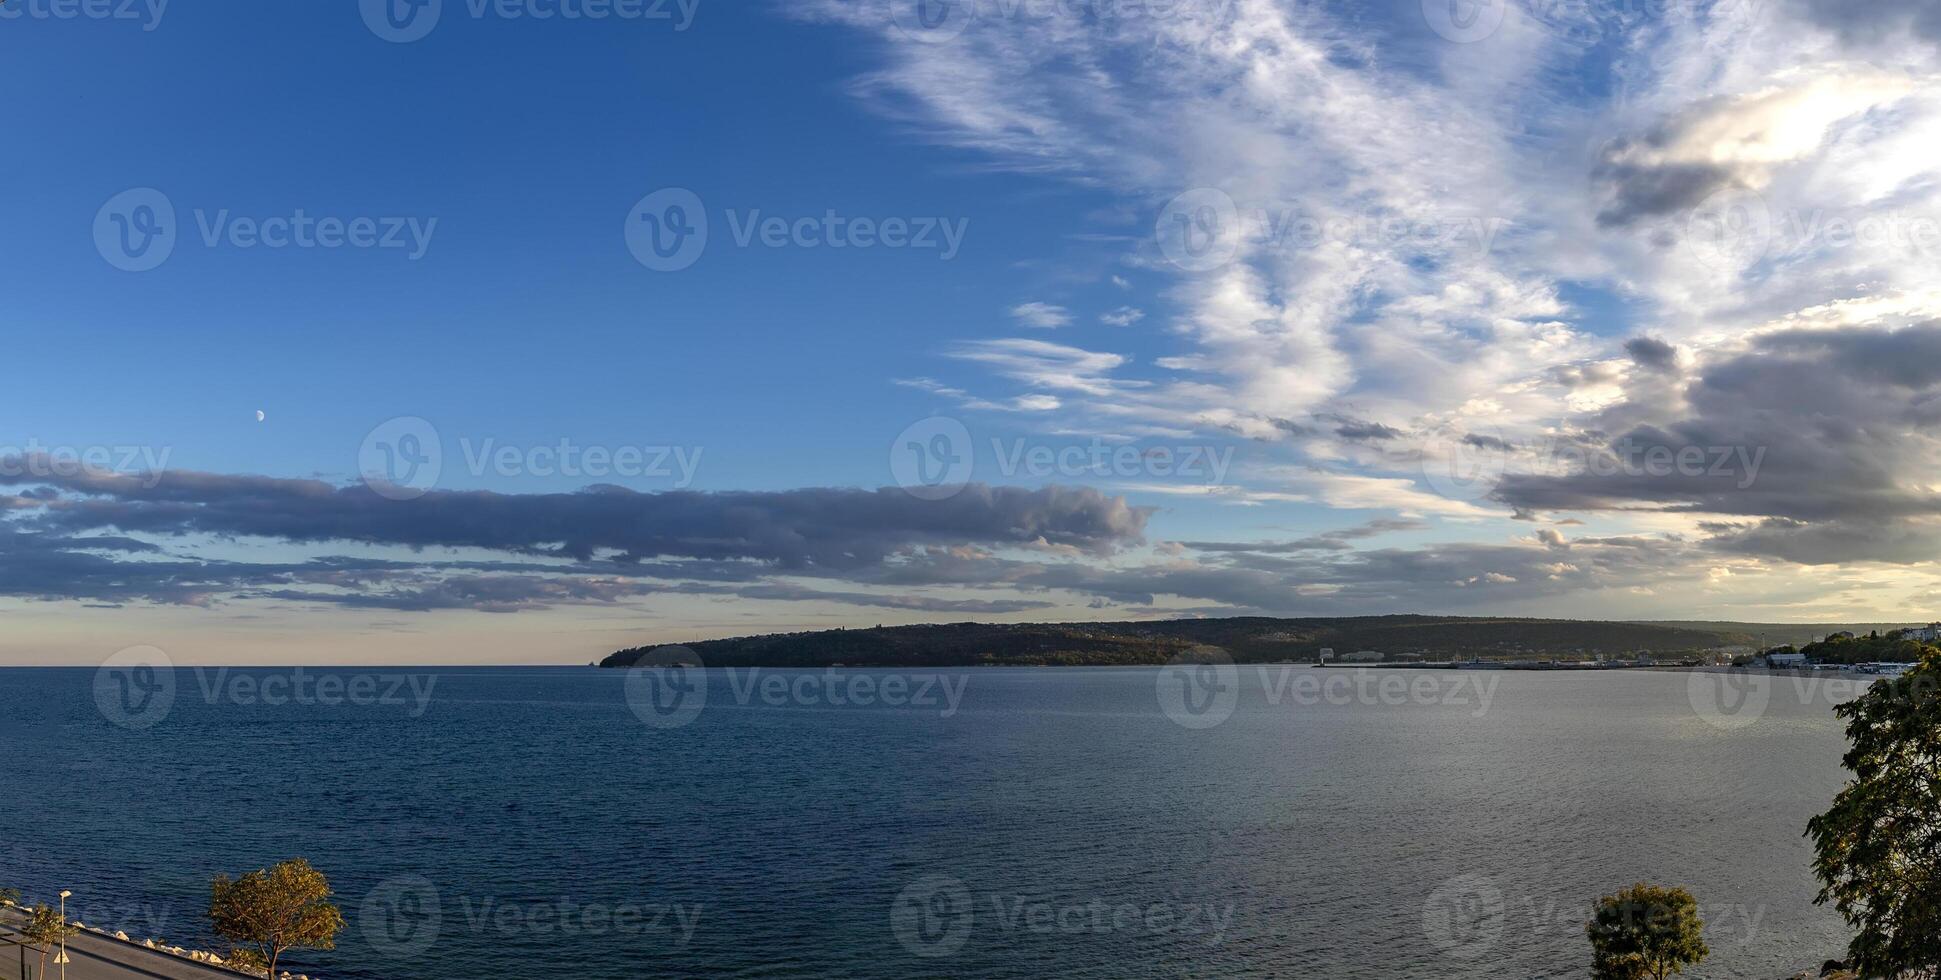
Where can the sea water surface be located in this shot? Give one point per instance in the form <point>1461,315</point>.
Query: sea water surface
<point>1087,822</point>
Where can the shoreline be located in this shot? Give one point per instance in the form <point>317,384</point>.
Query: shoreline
<point>118,956</point>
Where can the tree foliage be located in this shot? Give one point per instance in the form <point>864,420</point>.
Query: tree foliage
<point>46,929</point>
<point>1645,931</point>
<point>247,959</point>
<point>281,908</point>
<point>1248,639</point>
<point>1879,845</point>
<point>1872,648</point>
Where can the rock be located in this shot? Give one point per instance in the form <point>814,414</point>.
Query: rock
<point>1830,970</point>
<point>121,935</point>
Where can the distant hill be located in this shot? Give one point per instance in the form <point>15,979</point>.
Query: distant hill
<point>1246,639</point>
<point>1785,634</point>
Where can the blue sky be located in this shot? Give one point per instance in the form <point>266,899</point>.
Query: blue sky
<point>527,290</point>
<point>526,320</point>
<point>1535,299</point>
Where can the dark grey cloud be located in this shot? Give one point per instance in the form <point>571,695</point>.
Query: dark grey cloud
<point>1648,176</point>
<point>1650,352</point>
<point>90,536</point>
<point>1342,426</point>
<point>1441,578</point>
<point>1359,430</point>
<point>1639,191</point>
<point>1830,542</point>
<point>54,567</point>
<point>94,541</point>
<point>1842,425</point>
<point>1489,442</point>
<point>834,528</point>
<point>1364,431</point>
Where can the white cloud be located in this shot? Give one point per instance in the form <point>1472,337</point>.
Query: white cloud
<point>1403,496</point>
<point>1043,316</point>
<point>1456,239</point>
<point>1038,364</point>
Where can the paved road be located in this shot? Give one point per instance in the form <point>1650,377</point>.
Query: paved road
<point>93,957</point>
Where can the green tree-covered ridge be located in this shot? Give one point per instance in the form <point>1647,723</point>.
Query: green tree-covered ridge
<point>1246,639</point>
<point>1870,648</point>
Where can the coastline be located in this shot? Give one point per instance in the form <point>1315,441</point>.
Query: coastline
<point>102,955</point>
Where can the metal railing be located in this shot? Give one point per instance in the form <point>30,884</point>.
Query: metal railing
<point>26,972</point>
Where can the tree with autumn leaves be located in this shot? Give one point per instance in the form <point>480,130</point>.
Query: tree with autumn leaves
<point>277,909</point>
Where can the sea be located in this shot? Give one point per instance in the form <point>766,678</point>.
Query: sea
<point>673,821</point>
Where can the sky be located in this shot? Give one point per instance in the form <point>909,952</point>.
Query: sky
<point>525,330</point>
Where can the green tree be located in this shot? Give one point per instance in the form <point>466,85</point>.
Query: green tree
<point>281,908</point>
<point>45,928</point>
<point>1645,932</point>
<point>1879,846</point>
<point>246,959</point>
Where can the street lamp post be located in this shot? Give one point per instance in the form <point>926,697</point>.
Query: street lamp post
<point>62,959</point>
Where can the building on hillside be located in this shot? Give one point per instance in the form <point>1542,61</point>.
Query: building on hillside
<point>1362,657</point>
<point>1927,634</point>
